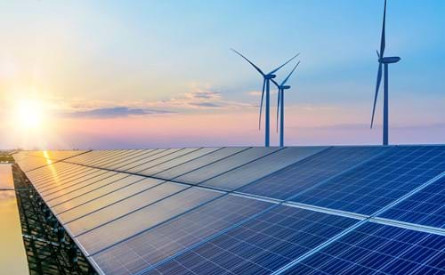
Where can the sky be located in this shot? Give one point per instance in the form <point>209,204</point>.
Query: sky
<point>139,74</point>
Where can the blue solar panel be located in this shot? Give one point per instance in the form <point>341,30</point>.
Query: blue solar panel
<point>426,207</point>
<point>378,249</point>
<point>301,175</point>
<point>139,220</point>
<point>368,188</point>
<point>166,240</point>
<point>259,246</point>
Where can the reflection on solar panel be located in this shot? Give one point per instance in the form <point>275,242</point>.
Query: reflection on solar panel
<point>244,210</point>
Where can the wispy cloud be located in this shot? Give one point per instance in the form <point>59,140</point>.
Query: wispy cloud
<point>113,112</point>
<point>193,101</point>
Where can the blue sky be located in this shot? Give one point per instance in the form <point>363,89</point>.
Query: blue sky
<point>93,56</point>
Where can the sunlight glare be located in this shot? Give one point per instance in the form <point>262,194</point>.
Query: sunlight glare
<point>30,114</point>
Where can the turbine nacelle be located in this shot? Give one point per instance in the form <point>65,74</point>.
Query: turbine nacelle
<point>270,76</point>
<point>286,87</point>
<point>389,60</point>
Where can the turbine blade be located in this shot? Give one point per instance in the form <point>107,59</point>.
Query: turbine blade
<point>250,62</point>
<point>383,38</point>
<point>378,55</point>
<point>274,82</point>
<point>261,104</point>
<point>284,64</point>
<point>278,107</point>
<point>379,80</point>
<point>287,78</point>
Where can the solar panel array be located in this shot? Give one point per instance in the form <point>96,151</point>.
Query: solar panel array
<point>246,210</point>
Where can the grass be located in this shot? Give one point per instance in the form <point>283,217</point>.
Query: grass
<point>5,157</point>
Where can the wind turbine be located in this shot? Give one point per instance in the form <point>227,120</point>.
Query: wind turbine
<point>280,111</point>
<point>266,88</point>
<point>383,62</point>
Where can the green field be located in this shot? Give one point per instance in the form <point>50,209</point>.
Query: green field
<point>5,157</point>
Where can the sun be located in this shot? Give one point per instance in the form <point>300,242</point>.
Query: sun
<point>29,114</point>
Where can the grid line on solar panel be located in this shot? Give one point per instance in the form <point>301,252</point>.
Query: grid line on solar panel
<point>200,162</point>
<point>91,157</point>
<point>224,165</point>
<point>258,246</point>
<point>123,154</point>
<point>86,189</point>
<point>101,160</point>
<point>105,158</point>
<point>128,226</point>
<point>374,248</point>
<point>425,207</point>
<point>96,194</point>
<point>73,185</point>
<point>152,246</point>
<point>124,208</point>
<point>161,153</point>
<point>178,161</point>
<point>127,158</point>
<point>82,172</point>
<point>380,182</point>
<point>47,184</point>
<point>181,152</point>
<point>108,200</point>
<point>121,165</point>
<point>310,171</point>
<point>260,168</point>
<point>58,170</point>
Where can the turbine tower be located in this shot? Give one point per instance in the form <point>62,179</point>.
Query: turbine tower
<point>280,111</point>
<point>266,89</point>
<point>383,62</point>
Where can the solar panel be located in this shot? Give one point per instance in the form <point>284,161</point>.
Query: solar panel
<point>74,185</point>
<point>123,208</point>
<point>310,171</point>
<point>368,188</point>
<point>303,210</point>
<point>131,165</point>
<point>115,163</point>
<point>259,168</point>
<point>209,171</point>
<point>48,186</point>
<point>139,169</point>
<point>139,221</point>
<point>192,165</point>
<point>378,249</point>
<point>159,243</point>
<point>124,164</point>
<point>90,195</point>
<point>83,189</point>
<point>258,246</point>
<point>105,163</point>
<point>105,200</point>
<point>177,161</point>
<point>426,207</point>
